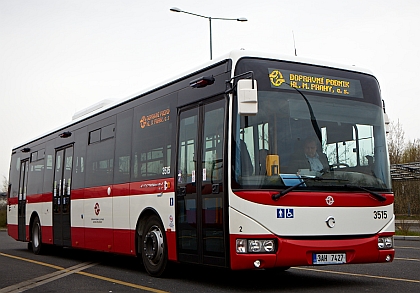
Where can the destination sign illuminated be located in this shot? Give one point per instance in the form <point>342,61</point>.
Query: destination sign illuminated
<point>287,79</point>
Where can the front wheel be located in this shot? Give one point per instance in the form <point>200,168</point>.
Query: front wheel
<point>36,237</point>
<point>154,250</point>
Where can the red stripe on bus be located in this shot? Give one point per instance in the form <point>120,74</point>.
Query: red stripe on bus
<point>153,186</point>
<point>133,188</point>
<point>12,201</point>
<point>315,199</point>
<point>35,198</point>
<point>142,187</point>
<point>121,189</point>
<point>92,192</point>
<point>77,194</point>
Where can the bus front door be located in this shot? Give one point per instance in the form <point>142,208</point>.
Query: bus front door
<point>200,204</point>
<point>23,182</point>
<point>61,196</point>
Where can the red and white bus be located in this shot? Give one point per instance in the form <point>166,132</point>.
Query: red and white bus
<point>211,169</point>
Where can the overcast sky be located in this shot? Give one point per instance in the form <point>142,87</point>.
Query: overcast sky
<point>58,57</point>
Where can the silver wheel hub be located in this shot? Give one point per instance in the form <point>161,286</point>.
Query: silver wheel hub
<point>35,240</point>
<point>153,245</point>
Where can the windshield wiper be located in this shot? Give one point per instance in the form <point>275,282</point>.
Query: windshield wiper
<point>287,190</point>
<point>376,195</point>
<point>314,122</point>
<point>276,196</point>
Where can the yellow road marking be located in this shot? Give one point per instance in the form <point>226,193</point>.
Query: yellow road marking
<point>86,274</point>
<point>357,275</point>
<point>122,282</point>
<point>32,261</point>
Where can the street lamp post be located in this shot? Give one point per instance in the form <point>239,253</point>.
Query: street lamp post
<point>242,19</point>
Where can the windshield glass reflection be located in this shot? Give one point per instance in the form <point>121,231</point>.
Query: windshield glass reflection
<point>281,144</point>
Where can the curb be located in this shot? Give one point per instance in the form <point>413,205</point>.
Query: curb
<point>411,238</point>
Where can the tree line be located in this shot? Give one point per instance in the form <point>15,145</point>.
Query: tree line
<point>407,192</point>
<point>3,190</point>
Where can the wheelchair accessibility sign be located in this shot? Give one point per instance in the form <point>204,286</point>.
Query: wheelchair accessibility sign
<point>285,213</point>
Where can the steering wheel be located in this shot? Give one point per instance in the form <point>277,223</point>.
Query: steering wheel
<point>339,165</point>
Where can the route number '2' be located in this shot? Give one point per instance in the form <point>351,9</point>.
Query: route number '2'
<point>378,215</point>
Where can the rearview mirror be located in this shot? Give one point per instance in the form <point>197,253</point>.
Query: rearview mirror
<point>247,97</point>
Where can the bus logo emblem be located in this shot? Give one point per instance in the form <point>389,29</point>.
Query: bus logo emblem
<point>276,78</point>
<point>166,185</point>
<point>97,209</point>
<point>143,122</point>
<point>329,200</point>
<point>330,221</point>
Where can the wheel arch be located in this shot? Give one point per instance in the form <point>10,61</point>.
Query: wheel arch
<point>34,215</point>
<point>141,221</point>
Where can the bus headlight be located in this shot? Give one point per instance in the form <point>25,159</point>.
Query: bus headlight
<point>241,245</point>
<point>385,242</point>
<point>255,246</point>
<point>268,245</point>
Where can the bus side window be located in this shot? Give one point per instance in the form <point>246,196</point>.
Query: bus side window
<point>79,170</point>
<point>14,175</point>
<point>152,134</point>
<point>100,154</point>
<point>123,147</point>
<point>36,172</point>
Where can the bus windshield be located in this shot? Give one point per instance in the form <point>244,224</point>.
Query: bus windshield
<point>322,126</point>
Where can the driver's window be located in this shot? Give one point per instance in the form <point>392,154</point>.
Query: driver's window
<point>353,149</point>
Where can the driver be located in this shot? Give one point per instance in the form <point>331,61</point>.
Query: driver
<point>308,158</point>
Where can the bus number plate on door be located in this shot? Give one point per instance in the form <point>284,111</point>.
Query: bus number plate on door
<point>328,258</point>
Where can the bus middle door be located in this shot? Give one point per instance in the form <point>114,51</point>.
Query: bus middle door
<point>61,196</point>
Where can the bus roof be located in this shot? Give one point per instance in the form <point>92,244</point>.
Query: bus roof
<point>238,54</point>
<point>234,55</point>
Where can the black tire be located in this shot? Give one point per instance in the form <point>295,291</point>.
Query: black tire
<point>281,269</point>
<point>36,237</point>
<point>278,269</point>
<point>154,251</point>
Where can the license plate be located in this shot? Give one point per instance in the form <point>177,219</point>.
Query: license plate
<point>328,258</point>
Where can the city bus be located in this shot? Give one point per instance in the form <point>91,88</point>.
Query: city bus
<point>211,168</point>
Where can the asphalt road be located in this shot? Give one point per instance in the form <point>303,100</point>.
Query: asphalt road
<point>67,270</point>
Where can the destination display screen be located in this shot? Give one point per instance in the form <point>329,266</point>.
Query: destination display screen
<point>323,84</point>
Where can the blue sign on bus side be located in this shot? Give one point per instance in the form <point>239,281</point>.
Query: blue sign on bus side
<point>285,213</point>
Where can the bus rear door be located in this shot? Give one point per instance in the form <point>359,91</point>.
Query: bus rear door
<point>23,183</point>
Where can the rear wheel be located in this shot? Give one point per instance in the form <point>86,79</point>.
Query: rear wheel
<point>36,236</point>
<point>154,250</point>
